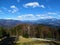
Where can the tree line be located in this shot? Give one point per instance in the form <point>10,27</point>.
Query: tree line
<point>31,31</point>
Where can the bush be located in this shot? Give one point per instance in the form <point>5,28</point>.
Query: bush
<point>26,35</point>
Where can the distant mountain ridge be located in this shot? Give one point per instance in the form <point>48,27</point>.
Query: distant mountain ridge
<point>11,23</point>
<point>8,23</point>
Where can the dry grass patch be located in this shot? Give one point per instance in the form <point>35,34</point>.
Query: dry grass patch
<point>24,40</point>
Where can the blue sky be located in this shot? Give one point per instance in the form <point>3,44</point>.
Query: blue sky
<point>29,9</point>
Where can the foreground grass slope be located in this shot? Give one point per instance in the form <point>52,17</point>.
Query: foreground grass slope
<point>30,41</point>
<point>24,40</point>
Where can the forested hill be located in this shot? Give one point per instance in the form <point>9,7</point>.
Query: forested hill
<point>35,31</point>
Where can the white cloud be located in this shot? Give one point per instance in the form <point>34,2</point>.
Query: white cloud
<point>33,17</point>
<point>33,4</point>
<point>42,6</point>
<point>43,16</point>
<point>8,18</point>
<point>27,17</point>
<point>13,6</point>
<point>52,13</point>
<point>14,9</point>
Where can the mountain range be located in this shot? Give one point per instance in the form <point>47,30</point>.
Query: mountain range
<point>11,23</point>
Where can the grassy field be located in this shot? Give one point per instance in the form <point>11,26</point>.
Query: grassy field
<point>24,40</point>
<point>29,41</point>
